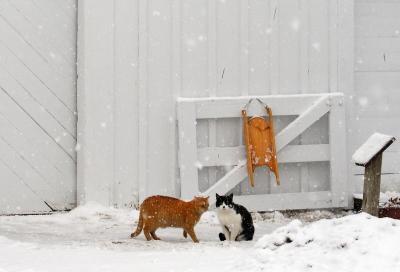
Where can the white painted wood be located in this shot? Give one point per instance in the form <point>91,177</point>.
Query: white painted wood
<point>16,71</point>
<point>288,201</point>
<point>37,61</point>
<point>143,98</point>
<point>212,156</point>
<point>95,168</point>
<point>197,49</point>
<point>217,156</point>
<point>25,99</point>
<point>306,119</point>
<point>50,32</point>
<point>212,80</point>
<point>225,184</point>
<point>126,186</point>
<point>12,185</point>
<point>244,46</point>
<point>274,31</point>
<point>176,89</point>
<point>151,42</point>
<point>37,107</point>
<point>55,175</point>
<point>45,189</point>
<point>337,141</point>
<point>228,106</point>
<point>46,48</point>
<point>376,82</point>
<point>35,135</point>
<point>188,146</point>
<point>160,103</point>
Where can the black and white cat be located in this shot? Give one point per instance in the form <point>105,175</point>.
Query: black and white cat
<point>235,220</point>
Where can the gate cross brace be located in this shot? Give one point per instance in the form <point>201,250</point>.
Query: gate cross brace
<point>288,134</point>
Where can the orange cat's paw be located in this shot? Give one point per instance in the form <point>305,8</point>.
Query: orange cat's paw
<point>185,234</point>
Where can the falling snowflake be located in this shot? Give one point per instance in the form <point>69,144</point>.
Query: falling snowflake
<point>52,55</point>
<point>202,38</point>
<point>198,165</point>
<point>316,46</point>
<point>295,24</point>
<point>363,101</point>
<point>190,42</point>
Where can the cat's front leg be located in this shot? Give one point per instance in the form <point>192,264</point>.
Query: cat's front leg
<point>192,235</point>
<point>234,233</point>
<point>226,233</point>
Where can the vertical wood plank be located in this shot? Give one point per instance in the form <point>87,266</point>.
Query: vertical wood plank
<point>244,47</point>
<point>259,36</point>
<point>333,45</point>
<point>212,79</point>
<point>160,103</point>
<point>345,55</point>
<point>126,185</point>
<point>304,70</point>
<point>290,25</point>
<point>95,101</point>
<point>274,46</point>
<point>143,99</point>
<point>372,186</point>
<point>188,150</point>
<point>244,64</point>
<point>176,87</point>
<point>337,142</point>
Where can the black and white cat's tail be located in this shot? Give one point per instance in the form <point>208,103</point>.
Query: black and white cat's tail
<point>246,235</point>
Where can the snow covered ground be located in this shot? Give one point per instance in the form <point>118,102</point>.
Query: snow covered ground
<point>94,238</point>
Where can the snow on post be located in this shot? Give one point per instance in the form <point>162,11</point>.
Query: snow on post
<point>370,156</point>
<point>375,144</point>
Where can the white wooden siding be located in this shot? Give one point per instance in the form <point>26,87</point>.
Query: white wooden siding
<point>37,105</point>
<point>198,49</point>
<point>377,81</point>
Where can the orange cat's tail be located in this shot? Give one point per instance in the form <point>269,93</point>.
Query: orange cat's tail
<point>139,226</point>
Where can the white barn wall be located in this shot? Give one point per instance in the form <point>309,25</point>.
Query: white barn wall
<point>377,81</point>
<point>108,102</point>
<point>142,55</point>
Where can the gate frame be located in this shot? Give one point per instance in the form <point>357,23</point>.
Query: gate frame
<point>308,108</point>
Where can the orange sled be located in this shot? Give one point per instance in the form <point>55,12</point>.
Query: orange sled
<point>259,137</point>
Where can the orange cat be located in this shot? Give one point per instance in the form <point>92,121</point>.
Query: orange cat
<point>163,211</point>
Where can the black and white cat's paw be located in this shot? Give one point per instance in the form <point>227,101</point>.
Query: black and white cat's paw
<point>222,237</point>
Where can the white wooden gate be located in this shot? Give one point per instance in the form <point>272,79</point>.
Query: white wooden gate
<point>37,105</point>
<point>308,109</point>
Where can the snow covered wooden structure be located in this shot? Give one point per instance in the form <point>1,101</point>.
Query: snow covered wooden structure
<point>111,133</point>
<point>369,155</point>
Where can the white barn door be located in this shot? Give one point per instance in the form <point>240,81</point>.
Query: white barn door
<point>37,106</point>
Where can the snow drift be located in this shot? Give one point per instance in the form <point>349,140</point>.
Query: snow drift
<point>352,243</point>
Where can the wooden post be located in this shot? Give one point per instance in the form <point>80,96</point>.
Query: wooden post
<point>369,155</point>
<point>372,185</point>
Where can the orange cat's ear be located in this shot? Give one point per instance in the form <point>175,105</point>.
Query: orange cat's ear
<point>207,197</point>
